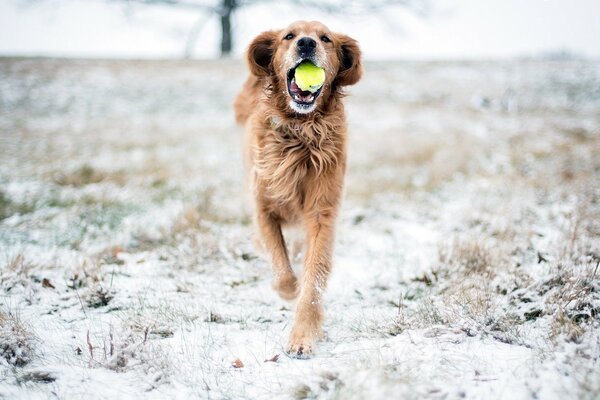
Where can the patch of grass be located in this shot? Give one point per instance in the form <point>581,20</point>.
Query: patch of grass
<point>469,257</point>
<point>17,271</point>
<point>460,292</point>
<point>18,264</point>
<point>9,207</point>
<point>108,216</point>
<point>97,221</point>
<point>573,300</point>
<point>419,164</point>
<point>122,350</point>
<point>157,320</point>
<point>566,326</point>
<point>4,206</point>
<point>507,329</point>
<point>36,377</point>
<point>198,215</point>
<point>17,341</point>
<point>302,392</point>
<point>215,318</point>
<point>86,175</point>
<point>99,297</point>
<point>87,273</point>
<point>428,313</point>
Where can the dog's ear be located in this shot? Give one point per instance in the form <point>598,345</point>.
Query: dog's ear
<point>350,60</point>
<point>260,53</point>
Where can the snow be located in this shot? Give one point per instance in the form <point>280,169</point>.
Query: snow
<point>122,188</point>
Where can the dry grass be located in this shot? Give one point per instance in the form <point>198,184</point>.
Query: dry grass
<point>8,207</point>
<point>157,319</point>
<point>481,220</point>
<point>571,299</point>
<point>475,288</point>
<point>417,162</point>
<point>86,175</point>
<point>470,257</point>
<point>17,272</point>
<point>123,350</point>
<point>17,341</point>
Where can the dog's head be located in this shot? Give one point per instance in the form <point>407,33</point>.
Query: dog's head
<point>275,55</point>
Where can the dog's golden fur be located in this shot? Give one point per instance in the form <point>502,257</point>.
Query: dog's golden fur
<point>297,161</point>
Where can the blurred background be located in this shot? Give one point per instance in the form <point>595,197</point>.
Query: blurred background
<point>431,29</point>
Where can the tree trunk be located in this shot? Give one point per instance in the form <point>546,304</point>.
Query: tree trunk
<point>227,8</point>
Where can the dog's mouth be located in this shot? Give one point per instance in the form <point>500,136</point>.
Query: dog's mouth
<point>303,98</point>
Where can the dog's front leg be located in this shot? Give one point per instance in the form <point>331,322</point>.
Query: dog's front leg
<point>284,280</point>
<point>317,265</point>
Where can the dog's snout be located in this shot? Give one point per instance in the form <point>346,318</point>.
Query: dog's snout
<point>306,45</point>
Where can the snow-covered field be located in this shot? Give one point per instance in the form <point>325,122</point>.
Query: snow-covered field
<point>466,260</point>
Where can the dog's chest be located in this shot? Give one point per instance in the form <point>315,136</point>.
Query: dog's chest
<point>286,163</point>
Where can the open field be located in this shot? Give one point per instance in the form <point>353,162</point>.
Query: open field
<point>466,260</point>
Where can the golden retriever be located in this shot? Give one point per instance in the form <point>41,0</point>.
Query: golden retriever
<point>296,154</point>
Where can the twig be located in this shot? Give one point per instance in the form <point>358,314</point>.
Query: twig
<point>112,344</point>
<point>80,302</point>
<point>145,335</point>
<point>90,347</point>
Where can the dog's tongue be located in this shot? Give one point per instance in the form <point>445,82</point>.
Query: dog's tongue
<point>294,88</point>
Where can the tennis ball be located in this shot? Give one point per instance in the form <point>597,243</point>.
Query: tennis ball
<point>309,77</point>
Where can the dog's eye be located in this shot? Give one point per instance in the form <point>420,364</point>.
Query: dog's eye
<point>325,39</point>
<point>289,36</point>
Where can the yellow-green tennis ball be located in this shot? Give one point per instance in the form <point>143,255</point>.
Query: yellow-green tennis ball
<point>309,77</point>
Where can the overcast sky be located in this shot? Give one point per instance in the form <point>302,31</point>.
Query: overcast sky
<point>455,29</point>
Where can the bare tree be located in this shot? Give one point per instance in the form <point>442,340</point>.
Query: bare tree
<point>225,10</point>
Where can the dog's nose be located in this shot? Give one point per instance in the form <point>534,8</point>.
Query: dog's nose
<point>306,45</point>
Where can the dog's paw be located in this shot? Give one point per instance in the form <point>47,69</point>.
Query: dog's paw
<point>302,342</point>
<point>302,348</point>
<point>287,287</point>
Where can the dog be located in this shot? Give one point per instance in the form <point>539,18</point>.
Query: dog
<point>296,156</point>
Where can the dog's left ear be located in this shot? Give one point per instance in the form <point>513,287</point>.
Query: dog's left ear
<point>350,61</point>
<point>260,53</point>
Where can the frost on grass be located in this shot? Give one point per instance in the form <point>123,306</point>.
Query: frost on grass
<point>17,341</point>
<point>466,257</point>
<point>16,272</point>
<point>130,350</point>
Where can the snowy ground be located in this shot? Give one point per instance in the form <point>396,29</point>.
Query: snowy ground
<point>466,262</point>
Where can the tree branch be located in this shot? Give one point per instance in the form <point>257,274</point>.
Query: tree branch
<point>358,7</point>
<point>188,4</point>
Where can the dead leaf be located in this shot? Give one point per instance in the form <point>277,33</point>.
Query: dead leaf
<point>116,250</point>
<point>274,359</point>
<point>237,363</point>
<point>47,284</point>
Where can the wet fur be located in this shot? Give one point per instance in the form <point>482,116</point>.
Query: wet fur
<point>296,164</point>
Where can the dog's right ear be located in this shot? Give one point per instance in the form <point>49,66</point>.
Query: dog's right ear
<point>260,53</point>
